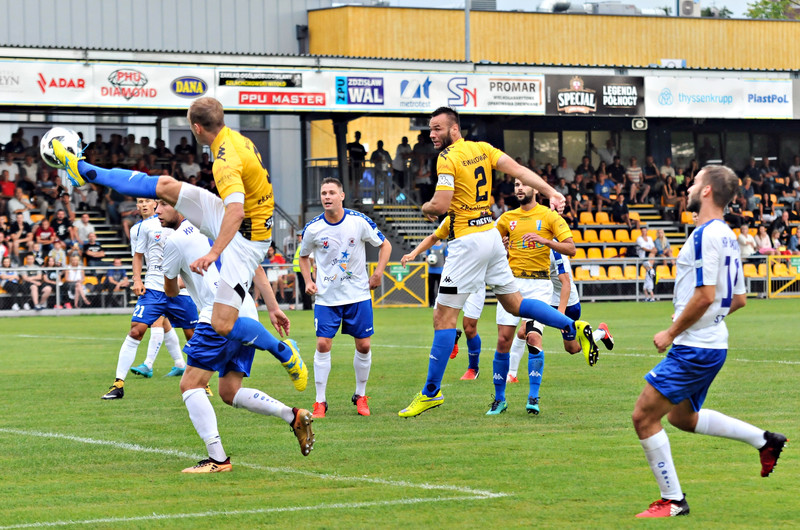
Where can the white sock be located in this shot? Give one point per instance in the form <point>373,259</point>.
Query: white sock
<point>260,403</point>
<point>599,334</point>
<point>656,449</point>
<point>127,354</point>
<point>515,355</point>
<point>174,348</point>
<point>716,423</point>
<point>362,363</point>
<point>204,419</point>
<point>322,367</point>
<point>156,338</point>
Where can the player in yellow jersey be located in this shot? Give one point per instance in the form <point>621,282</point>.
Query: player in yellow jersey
<point>239,222</point>
<point>476,255</point>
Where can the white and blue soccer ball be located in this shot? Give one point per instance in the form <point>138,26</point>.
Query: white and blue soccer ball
<point>432,259</point>
<point>68,137</point>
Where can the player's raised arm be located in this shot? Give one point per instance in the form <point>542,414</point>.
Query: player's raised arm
<point>438,205</point>
<point>424,245</point>
<point>508,165</point>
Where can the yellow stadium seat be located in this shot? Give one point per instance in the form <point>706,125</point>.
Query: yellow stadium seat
<point>686,218</point>
<point>90,280</point>
<point>663,272</point>
<point>601,218</point>
<point>590,236</point>
<point>586,218</point>
<point>594,253</point>
<point>582,273</point>
<point>642,272</point>
<point>601,274</point>
<point>580,253</point>
<point>630,272</point>
<point>750,270</point>
<point>747,213</point>
<point>606,236</point>
<point>737,232</point>
<point>36,218</point>
<point>621,235</point>
<point>634,215</point>
<point>609,253</point>
<point>615,273</point>
<point>762,270</point>
<point>577,237</point>
<point>780,270</point>
<point>652,233</point>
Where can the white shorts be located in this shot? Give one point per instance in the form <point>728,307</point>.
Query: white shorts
<point>239,259</point>
<point>473,307</point>
<point>541,290</point>
<point>473,262</point>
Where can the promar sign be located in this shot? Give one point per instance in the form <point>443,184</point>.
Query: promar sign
<point>595,95</point>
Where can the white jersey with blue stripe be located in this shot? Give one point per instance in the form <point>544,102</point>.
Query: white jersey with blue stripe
<point>182,248</point>
<point>709,257</point>
<point>340,256</point>
<point>147,238</point>
<point>559,264</point>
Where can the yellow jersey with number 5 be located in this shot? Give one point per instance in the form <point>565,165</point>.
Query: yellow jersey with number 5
<point>238,168</point>
<point>466,168</point>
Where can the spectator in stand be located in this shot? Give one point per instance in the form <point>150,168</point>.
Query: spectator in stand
<point>183,148</point>
<point>111,200</point>
<point>606,154</point>
<point>768,174</point>
<point>693,169</point>
<point>5,250</point>
<point>116,151</point>
<point>499,207</point>
<point>750,170</point>
<point>402,156</point>
<point>49,280</point>
<point>129,214</point>
<point>190,168</point>
<point>93,252</point>
<point>29,176</point>
<point>777,244</point>
<point>620,213</point>
<point>7,190</point>
<point>83,227</point>
<point>115,279</point>
<point>133,151</point>
<point>38,255</point>
<point>733,213</point>
<point>794,215</point>
<point>506,190</point>
<point>549,174</point>
<point>633,182</point>
<point>9,165</point>
<point>206,173</point>
<point>381,162</point>
<point>663,248</point>
<point>747,245</point>
<point>795,167</point>
<point>652,179</point>
<point>763,241</point>
<point>45,235</point>
<point>20,204</point>
<point>74,277</point>
<point>422,182</point>
<point>670,199</point>
<point>616,173</point>
<point>786,193</point>
<point>21,233</point>
<point>602,167</point>
<point>646,247</point>
<point>562,187</point>
<point>275,272</point>
<point>64,229</point>
<point>59,254</point>
<point>602,192</point>
<point>99,147</point>
<point>766,209</point>
<point>780,224</point>
<point>581,202</point>
<point>793,245</point>
<point>585,168</point>
<point>563,171</point>
<point>356,155</point>
<point>533,166</point>
<point>146,148</point>
<point>161,151</point>
<point>33,283</point>
<point>667,170</point>
<point>747,193</point>
<point>11,283</point>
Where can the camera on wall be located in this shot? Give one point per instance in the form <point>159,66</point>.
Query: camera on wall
<point>639,124</point>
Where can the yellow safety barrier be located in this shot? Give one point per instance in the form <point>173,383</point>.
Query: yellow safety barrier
<point>402,286</point>
<point>783,276</point>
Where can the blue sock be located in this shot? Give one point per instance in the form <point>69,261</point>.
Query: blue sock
<point>125,181</point>
<point>549,316</point>
<point>443,340</point>
<point>474,349</point>
<point>500,374</point>
<point>250,331</point>
<point>535,370</point>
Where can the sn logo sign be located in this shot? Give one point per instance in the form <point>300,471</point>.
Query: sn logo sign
<point>461,95</point>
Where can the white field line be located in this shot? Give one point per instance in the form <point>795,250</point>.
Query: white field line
<point>603,353</point>
<point>285,470</point>
<point>226,513</point>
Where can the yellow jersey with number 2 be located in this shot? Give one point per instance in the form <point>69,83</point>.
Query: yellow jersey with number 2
<point>466,168</point>
<point>238,168</point>
<point>531,260</point>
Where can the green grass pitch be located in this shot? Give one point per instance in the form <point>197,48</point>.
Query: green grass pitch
<point>67,456</point>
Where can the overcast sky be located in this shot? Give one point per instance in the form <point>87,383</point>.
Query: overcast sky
<point>737,6</point>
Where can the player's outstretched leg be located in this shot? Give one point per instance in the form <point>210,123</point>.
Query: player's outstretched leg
<point>299,419</point>
<point>431,395</point>
<point>549,316</point>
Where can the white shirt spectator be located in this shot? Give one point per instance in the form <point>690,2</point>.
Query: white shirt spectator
<point>667,170</point>
<point>84,229</point>
<point>401,156</point>
<point>566,173</point>
<point>12,168</point>
<point>190,170</point>
<point>747,245</point>
<point>644,244</point>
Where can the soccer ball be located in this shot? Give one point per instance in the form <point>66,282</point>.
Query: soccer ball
<point>432,259</point>
<point>70,139</point>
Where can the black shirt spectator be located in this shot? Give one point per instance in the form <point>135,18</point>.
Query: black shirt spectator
<point>93,251</point>
<point>616,171</point>
<point>183,149</point>
<point>63,227</point>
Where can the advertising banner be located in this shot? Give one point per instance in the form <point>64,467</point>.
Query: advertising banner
<point>40,82</point>
<point>682,97</point>
<point>595,95</point>
<point>123,85</point>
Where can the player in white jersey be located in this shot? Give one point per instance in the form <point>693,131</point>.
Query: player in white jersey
<point>208,352</point>
<point>565,298</point>
<point>342,288</point>
<point>709,285</point>
<point>148,244</point>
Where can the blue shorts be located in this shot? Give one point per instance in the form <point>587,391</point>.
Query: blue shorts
<point>208,350</point>
<point>180,310</point>
<point>355,319</point>
<point>686,373</point>
<point>574,312</point>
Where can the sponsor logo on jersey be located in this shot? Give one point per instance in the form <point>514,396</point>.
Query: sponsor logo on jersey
<point>325,243</point>
<point>46,83</point>
<point>577,99</point>
<point>127,83</point>
<point>480,221</point>
<point>351,242</point>
<point>188,86</point>
<point>330,278</point>
<point>460,93</point>
<point>359,90</point>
